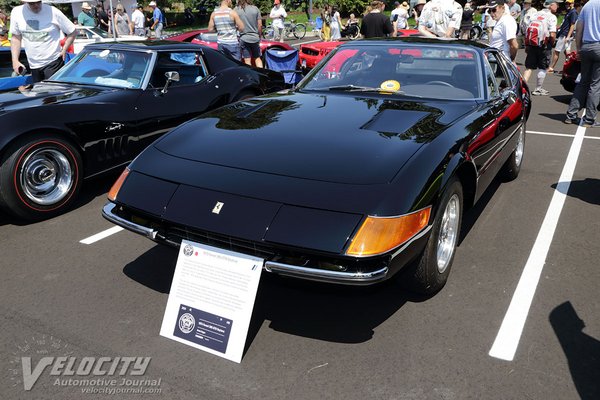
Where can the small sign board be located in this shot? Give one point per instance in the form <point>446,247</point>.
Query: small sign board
<point>211,299</point>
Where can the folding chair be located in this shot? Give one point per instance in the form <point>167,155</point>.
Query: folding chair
<point>284,61</point>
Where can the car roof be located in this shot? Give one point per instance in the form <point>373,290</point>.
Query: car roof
<point>416,39</point>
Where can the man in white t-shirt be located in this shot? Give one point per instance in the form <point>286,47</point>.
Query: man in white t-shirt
<point>504,34</point>
<point>440,18</point>
<point>37,27</point>
<point>138,19</point>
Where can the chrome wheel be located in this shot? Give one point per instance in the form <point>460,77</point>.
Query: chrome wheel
<point>448,234</point>
<point>46,176</point>
<point>520,146</point>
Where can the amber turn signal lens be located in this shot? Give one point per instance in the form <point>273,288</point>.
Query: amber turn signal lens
<point>378,235</point>
<point>114,190</point>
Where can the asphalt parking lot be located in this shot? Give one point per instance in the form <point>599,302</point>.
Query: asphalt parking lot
<point>60,297</point>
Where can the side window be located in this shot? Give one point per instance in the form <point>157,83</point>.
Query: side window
<point>496,77</point>
<point>190,66</point>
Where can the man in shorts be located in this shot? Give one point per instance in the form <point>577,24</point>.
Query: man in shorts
<point>538,57</point>
<point>250,35</point>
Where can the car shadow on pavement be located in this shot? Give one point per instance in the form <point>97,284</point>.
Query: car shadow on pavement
<point>336,313</point>
<point>328,312</point>
<point>587,190</point>
<point>581,350</point>
<point>470,216</point>
<point>154,269</point>
<point>7,219</point>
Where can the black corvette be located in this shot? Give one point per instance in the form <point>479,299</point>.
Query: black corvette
<point>104,107</point>
<point>364,169</point>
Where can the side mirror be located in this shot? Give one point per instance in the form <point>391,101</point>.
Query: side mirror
<point>509,96</point>
<point>172,76</point>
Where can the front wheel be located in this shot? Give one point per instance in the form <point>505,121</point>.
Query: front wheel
<point>39,177</point>
<point>429,274</point>
<point>299,31</point>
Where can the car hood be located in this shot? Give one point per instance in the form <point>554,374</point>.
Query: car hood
<point>332,138</point>
<point>45,93</point>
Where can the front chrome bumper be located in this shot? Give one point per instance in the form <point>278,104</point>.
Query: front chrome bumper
<point>297,271</point>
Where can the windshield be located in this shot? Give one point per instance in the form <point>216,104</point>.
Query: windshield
<point>410,69</point>
<point>114,68</point>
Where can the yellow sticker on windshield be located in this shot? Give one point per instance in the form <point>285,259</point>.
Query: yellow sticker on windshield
<point>390,86</point>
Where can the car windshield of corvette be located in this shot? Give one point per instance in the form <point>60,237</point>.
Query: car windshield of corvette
<point>104,67</point>
<point>419,70</point>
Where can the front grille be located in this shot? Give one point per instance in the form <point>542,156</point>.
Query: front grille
<point>177,234</point>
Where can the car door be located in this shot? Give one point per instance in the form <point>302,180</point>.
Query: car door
<point>168,105</point>
<point>500,119</point>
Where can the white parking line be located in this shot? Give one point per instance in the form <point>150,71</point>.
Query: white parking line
<point>101,235</point>
<point>561,134</point>
<point>509,335</point>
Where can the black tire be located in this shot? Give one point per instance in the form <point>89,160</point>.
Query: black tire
<point>39,177</point>
<point>475,33</point>
<point>429,274</point>
<point>299,31</point>
<point>511,168</point>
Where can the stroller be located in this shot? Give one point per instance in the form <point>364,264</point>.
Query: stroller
<point>351,31</point>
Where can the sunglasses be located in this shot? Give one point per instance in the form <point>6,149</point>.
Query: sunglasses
<point>493,10</point>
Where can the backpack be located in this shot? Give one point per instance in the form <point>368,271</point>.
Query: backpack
<point>537,31</point>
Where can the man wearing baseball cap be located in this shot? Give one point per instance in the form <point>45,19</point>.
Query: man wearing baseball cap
<point>538,57</point>
<point>37,27</point>
<point>564,34</point>
<point>504,34</point>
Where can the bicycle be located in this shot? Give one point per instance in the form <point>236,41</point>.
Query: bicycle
<point>291,28</point>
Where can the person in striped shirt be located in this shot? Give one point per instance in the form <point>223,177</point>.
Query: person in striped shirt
<point>226,22</point>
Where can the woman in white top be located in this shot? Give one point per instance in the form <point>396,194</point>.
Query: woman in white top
<point>336,24</point>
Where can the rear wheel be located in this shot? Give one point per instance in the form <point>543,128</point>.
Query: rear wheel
<point>511,168</point>
<point>39,177</point>
<point>299,31</point>
<point>429,274</point>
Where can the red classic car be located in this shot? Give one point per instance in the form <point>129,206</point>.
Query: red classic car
<point>207,38</point>
<point>312,53</point>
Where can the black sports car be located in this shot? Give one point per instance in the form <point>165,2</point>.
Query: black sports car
<point>364,168</point>
<point>101,109</point>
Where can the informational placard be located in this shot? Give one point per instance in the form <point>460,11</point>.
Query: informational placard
<point>211,299</point>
